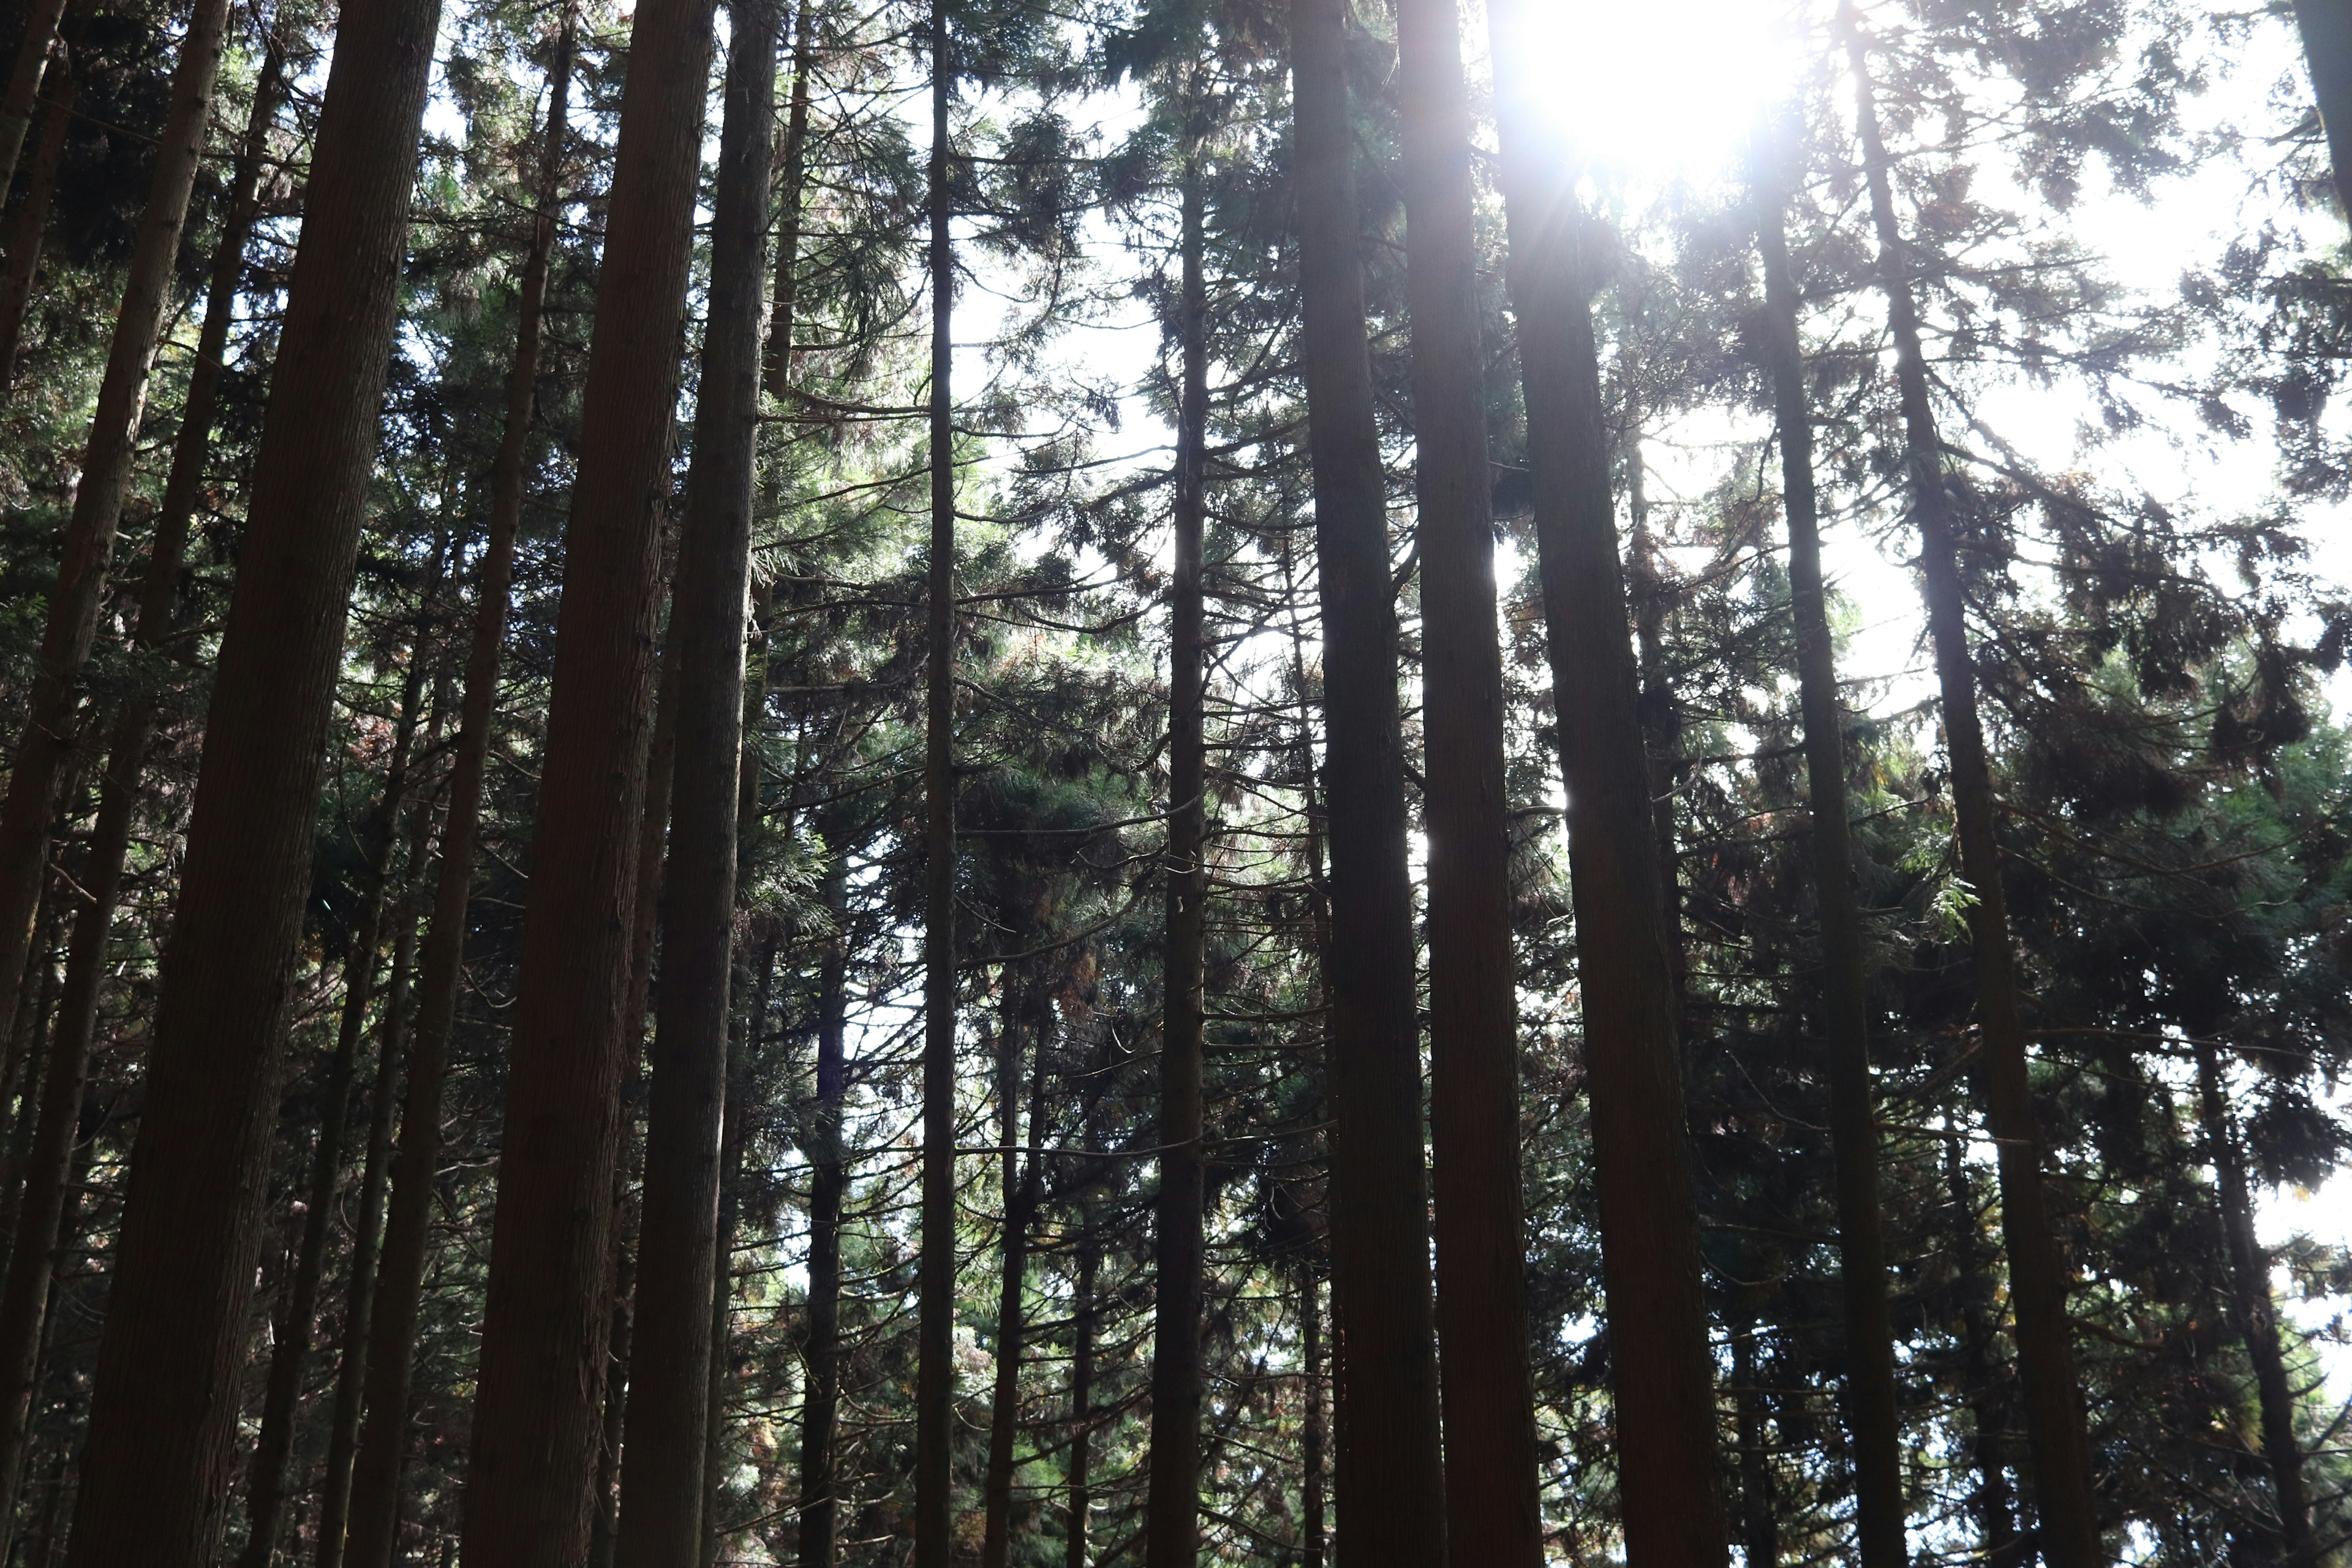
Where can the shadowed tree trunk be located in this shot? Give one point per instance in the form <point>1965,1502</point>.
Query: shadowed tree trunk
<point>30,227</point>
<point>23,1303</point>
<point>790,196</point>
<point>538,1410</point>
<point>1390,1481</point>
<point>668,1420</point>
<point>1991,1500</point>
<point>88,542</point>
<point>2057,1433</point>
<point>392,1332</point>
<point>935,1288</point>
<point>1871,1418</point>
<point>1025,1012</point>
<point>742,1063</point>
<point>41,19</point>
<point>2250,1308</point>
<point>1492,1515</point>
<point>264,1485</point>
<point>819,1506</point>
<point>1172,1527</point>
<point>154,1469</point>
<point>1082,1394</point>
<point>1312,1438</point>
<point>2326,26</point>
<point>1661,1364</point>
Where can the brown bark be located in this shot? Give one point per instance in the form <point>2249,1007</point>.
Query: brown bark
<point>1171,1516</point>
<point>1493,1513</point>
<point>1661,1365</point>
<point>2326,26</point>
<point>41,19</point>
<point>1873,1421</point>
<point>392,1332</point>
<point>935,1288</point>
<point>1390,1477</point>
<point>264,1485</point>
<point>88,543</point>
<point>30,225</point>
<point>604,1526</point>
<point>163,1417</point>
<point>2253,1313</point>
<point>540,1400</point>
<point>828,1175</point>
<point>2057,1432</point>
<point>742,1061</point>
<point>790,199</point>
<point>662,1485</point>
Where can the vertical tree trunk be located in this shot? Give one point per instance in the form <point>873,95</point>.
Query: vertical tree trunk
<point>669,1416</point>
<point>1390,1481</point>
<point>88,542</point>
<point>2326,30</point>
<point>1661,1366</point>
<point>1759,1525</point>
<point>821,1390</point>
<point>1873,1420</point>
<point>30,225</point>
<point>162,1416</point>
<point>1082,1394</point>
<point>2256,1318</point>
<point>604,1526</point>
<point>742,1063</point>
<point>264,1485</point>
<point>935,1288</point>
<point>1172,1517</point>
<point>790,199</point>
<point>392,1332</point>
<point>1311,1438</point>
<point>41,19</point>
<point>1023,1187</point>
<point>540,1400</point>
<point>2057,1432</point>
<point>1991,1501</point>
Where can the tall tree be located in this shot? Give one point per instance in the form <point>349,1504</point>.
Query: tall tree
<point>34,50</point>
<point>1870,1394</point>
<point>2057,1432</point>
<point>1660,1365</point>
<point>2326,31</point>
<point>819,1505</point>
<point>392,1332</point>
<point>88,543</point>
<point>29,227</point>
<point>668,1416</point>
<point>1390,1479</point>
<point>163,1406</point>
<point>537,1408</point>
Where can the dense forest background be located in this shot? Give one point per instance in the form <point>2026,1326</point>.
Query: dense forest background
<point>863,781</point>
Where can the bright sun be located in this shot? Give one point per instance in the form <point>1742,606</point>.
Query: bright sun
<point>1662,91</point>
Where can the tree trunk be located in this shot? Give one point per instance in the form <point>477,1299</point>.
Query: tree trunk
<point>935,1290</point>
<point>1312,1442</point>
<point>392,1332</point>
<point>1023,1187</point>
<point>1171,1518</point>
<point>1082,1392</point>
<point>2057,1432</point>
<point>669,1367</point>
<point>539,1400</point>
<point>1873,1420</point>
<point>2255,1316</point>
<point>1759,1525</point>
<point>41,19</point>
<point>2326,26</point>
<point>1991,1501</point>
<point>1661,1367</point>
<point>164,1409</point>
<point>742,1063</point>
<point>604,1526</point>
<point>1493,1513</point>
<point>821,1390</point>
<point>30,225</point>
<point>1390,1482</point>
<point>790,196</point>
<point>88,542</point>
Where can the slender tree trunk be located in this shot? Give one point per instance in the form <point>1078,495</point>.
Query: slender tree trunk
<point>1759,1525</point>
<point>1661,1364</point>
<point>742,1063</point>
<point>41,19</point>
<point>88,542</point>
<point>1171,1527</point>
<point>1082,1394</point>
<point>1023,1187</point>
<point>2256,1318</point>
<point>935,1290</point>
<point>821,1390</point>
<point>1311,1437</point>
<point>540,1400</point>
<point>30,225</point>
<point>391,1330</point>
<point>662,1486</point>
<point>162,1418</point>
<point>2057,1431</point>
<point>1991,1500</point>
<point>1391,1479</point>
<point>1873,1420</point>
<point>2327,29</point>
<point>604,1526</point>
<point>790,197</point>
